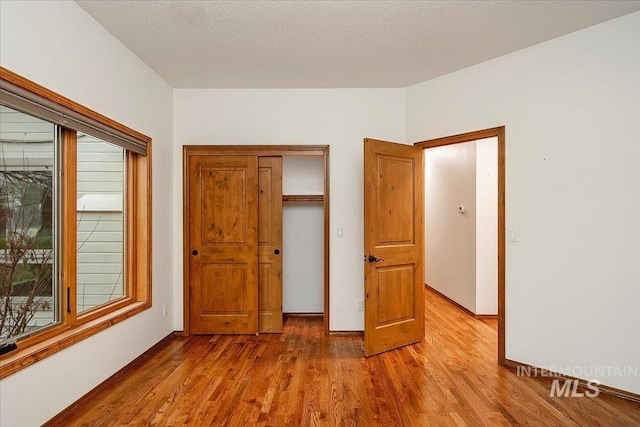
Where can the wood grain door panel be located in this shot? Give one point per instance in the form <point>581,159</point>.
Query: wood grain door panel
<point>270,244</point>
<point>395,197</point>
<point>394,286</point>
<point>223,300</point>
<point>223,237</point>
<point>395,294</point>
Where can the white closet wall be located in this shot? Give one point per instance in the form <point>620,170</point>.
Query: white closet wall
<point>303,262</point>
<point>303,236</point>
<point>303,175</point>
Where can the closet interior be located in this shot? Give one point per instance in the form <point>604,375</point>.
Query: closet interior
<point>303,235</point>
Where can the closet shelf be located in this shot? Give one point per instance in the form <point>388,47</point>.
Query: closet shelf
<point>302,197</point>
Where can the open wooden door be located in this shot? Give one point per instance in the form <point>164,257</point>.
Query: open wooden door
<point>223,239</point>
<point>270,244</point>
<point>393,243</point>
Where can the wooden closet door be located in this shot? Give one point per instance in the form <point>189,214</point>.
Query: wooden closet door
<point>270,244</point>
<point>223,244</point>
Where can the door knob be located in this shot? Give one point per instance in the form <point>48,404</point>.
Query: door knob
<point>195,252</point>
<point>277,252</point>
<point>373,258</point>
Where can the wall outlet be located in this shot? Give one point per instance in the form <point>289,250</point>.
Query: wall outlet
<point>359,305</point>
<point>164,310</point>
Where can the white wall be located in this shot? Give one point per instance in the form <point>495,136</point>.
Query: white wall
<point>303,236</point>
<point>450,236</point>
<point>487,226</point>
<point>303,257</point>
<point>571,107</point>
<point>303,175</point>
<point>82,61</point>
<point>340,118</point>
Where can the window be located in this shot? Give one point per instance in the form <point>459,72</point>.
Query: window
<point>27,290</point>
<point>74,222</point>
<point>100,223</point>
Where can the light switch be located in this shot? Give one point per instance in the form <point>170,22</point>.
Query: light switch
<point>340,233</point>
<point>512,235</point>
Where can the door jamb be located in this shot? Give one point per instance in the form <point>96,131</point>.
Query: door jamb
<point>260,151</point>
<point>498,132</point>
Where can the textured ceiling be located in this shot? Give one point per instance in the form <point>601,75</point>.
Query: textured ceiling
<point>306,44</point>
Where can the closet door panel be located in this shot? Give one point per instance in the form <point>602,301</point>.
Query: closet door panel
<point>270,244</point>
<point>223,242</point>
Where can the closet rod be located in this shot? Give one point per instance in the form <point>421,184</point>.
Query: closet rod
<point>302,197</point>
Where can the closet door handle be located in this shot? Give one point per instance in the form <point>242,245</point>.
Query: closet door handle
<point>277,252</point>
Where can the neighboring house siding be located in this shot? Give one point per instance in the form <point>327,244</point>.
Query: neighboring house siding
<point>35,153</point>
<point>100,277</point>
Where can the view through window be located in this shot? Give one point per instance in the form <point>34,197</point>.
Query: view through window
<point>100,230</point>
<point>29,300</point>
<point>29,297</point>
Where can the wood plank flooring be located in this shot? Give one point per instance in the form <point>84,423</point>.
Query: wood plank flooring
<point>303,378</point>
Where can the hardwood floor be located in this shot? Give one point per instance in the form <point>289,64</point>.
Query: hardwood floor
<point>301,377</point>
